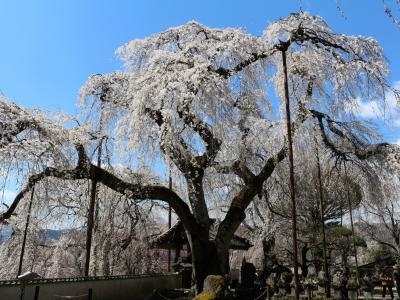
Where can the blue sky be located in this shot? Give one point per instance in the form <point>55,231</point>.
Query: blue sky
<point>49,48</point>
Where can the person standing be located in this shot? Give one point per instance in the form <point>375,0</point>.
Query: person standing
<point>386,279</point>
<point>343,285</point>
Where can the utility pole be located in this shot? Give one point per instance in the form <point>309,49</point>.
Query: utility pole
<point>322,210</point>
<point>28,217</point>
<point>291,172</point>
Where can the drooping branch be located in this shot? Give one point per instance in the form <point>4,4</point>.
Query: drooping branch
<point>378,237</point>
<point>180,155</point>
<point>358,149</point>
<point>335,45</point>
<point>9,131</point>
<point>238,168</point>
<point>253,57</point>
<point>191,167</point>
<point>212,144</point>
<point>236,212</point>
<point>72,174</point>
<point>86,170</point>
<point>254,183</point>
<point>138,191</point>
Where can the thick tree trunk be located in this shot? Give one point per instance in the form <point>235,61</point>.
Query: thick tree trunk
<point>197,199</point>
<point>207,259</point>
<point>304,266</point>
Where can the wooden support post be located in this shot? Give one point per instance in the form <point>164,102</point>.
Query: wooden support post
<point>37,290</point>
<point>90,294</point>
<point>93,194</point>
<point>352,223</point>
<point>21,257</point>
<point>22,290</point>
<point>89,229</point>
<point>322,210</point>
<point>169,221</point>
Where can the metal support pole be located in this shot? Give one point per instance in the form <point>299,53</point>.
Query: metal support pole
<point>291,175</point>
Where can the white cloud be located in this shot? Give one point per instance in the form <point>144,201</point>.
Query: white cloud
<point>390,112</point>
<point>367,109</point>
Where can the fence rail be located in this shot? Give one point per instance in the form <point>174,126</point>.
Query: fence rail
<point>122,287</point>
<point>82,278</point>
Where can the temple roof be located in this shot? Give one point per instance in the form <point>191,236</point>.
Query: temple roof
<point>175,237</point>
<point>384,261</point>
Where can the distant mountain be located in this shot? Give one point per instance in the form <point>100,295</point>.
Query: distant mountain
<point>52,234</point>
